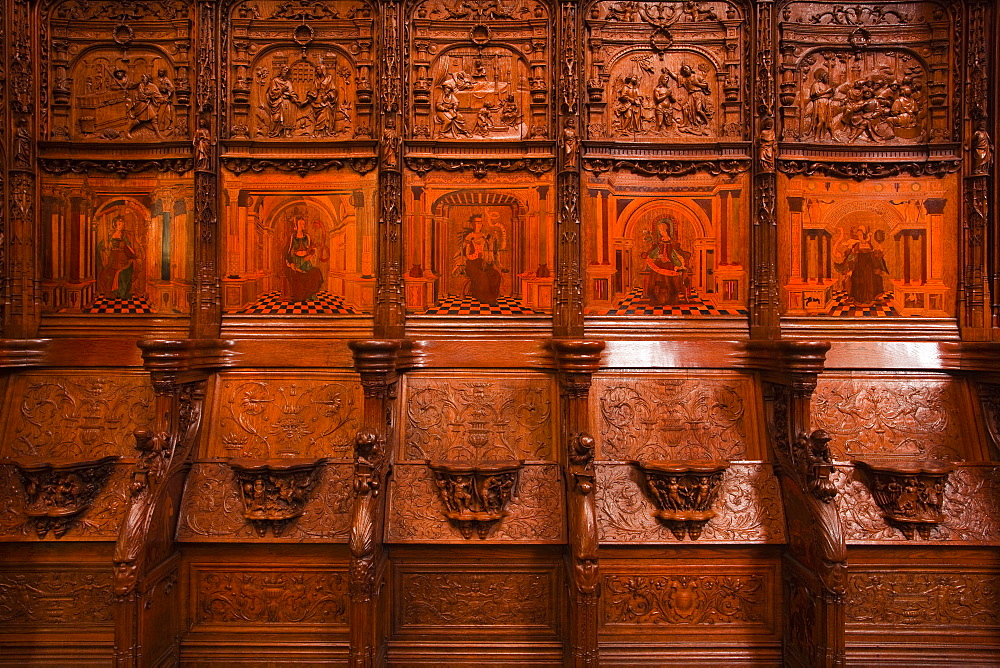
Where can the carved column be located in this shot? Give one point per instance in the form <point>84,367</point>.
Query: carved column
<point>974,295</point>
<point>764,235</point>
<point>145,560</point>
<point>568,306</point>
<point>577,360</point>
<point>18,250</point>
<point>815,568</point>
<point>206,316</point>
<point>376,361</point>
<point>390,307</point>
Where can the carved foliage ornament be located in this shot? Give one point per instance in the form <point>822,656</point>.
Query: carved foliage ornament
<point>683,493</point>
<point>910,494</point>
<point>274,494</point>
<point>58,492</point>
<point>475,497</point>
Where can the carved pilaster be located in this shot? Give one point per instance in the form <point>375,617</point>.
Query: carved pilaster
<point>577,361</point>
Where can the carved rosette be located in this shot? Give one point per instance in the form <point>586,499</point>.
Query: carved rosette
<point>58,492</point>
<point>910,494</point>
<point>682,492</point>
<point>274,494</point>
<point>475,497</point>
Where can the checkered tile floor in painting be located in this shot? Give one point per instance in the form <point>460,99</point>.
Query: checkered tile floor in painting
<point>325,303</point>
<point>636,304</point>
<point>137,304</point>
<point>455,305</point>
<point>880,308</point>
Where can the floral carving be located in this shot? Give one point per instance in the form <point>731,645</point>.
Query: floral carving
<point>274,494</point>
<point>80,597</point>
<point>923,598</point>
<point>910,494</point>
<point>212,510</point>
<point>683,493</point>
<point>747,508</point>
<point>280,417</point>
<point>650,600</point>
<point>675,419</point>
<point>535,515</point>
<point>72,416</point>
<point>56,493</point>
<point>912,418</point>
<point>313,597</point>
<point>478,421</point>
<point>480,599</point>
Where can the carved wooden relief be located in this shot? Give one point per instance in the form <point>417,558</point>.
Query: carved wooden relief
<point>910,494</point>
<point>480,248</point>
<point>114,250</point>
<point>748,508</point>
<point>266,599</point>
<point>969,508</point>
<point>299,248</point>
<point>924,599</point>
<point>471,602</point>
<point>274,493</point>
<point>285,416</point>
<point>874,249</point>
<point>213,511</point>
<point>674,417</point>
<point>300,75</point>
<point>682,492</point>
<point>674,247</point>
<point>76,415</point>
<point>915,417</point>
<point>77,597</point>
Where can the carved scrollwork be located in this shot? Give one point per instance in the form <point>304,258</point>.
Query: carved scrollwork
<point>654,599</point>
<point>683,493</point>
<point>300,166</point>
<point>480,167</point>
<point>241,598</point>
<point>57,493</point>
<point>910,494</point>
<point>274,494</point>
<point>668,168</point>
<point>869,170</point>
<point>475,497</point>
<point>122,168</point>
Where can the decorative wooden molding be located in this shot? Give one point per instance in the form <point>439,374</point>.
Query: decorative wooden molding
<point>869,170</point>
<point>300,166</point>
<point>122,168</point>
<point>58,492</point>
<point>910,493</point>
<point>475,497</point>
<point>480,167</point>
<point>668,168</point>
<point>274,494</point>
<point>682,492</point>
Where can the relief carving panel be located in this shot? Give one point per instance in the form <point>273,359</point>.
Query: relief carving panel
<point>748,508</point>
<point>913,418</point>
<point>512,598</point>
<point>243,598</point>
<point>284,416</point>
<point>470,419</point>
<point>971,508</point>
<point>79,597</point>
<point>673,418</point>
<point>76,416</point>
<point>534,515</point>
<point>883,599</point>
<point>212,510</point>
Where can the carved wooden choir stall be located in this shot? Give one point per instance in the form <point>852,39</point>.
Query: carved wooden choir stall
<point>499,332</point>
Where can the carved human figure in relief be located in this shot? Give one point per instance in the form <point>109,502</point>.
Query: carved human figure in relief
<point>322,101</point>
<point>664,102</point>
<point>982,150</point>
<point>628,109</point>
<point>697,106</point>
<point>281,102</point>
<point>166,110</point>
<point>570,143</point>
<point>820,98</point>
<point>303,277</point>
<point>202,141</point>
<point>863,265</point>
<point>448,116</point>
<point>668,281</point>
<point>117,275</point>
<point>146,107</point>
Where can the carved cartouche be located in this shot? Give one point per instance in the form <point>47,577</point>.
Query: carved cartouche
<point>475,496</point>
<point>58,492</point>
<point>683,492</point>
<point>274,493</point>
<point>910,493</point>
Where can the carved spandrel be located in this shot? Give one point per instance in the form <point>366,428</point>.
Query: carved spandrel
<point>748,508</point>
<point>280,417</point>
<point>534,516</point>
<point>263,598</point>
<point>908,418</point>
<point>212,511</point>
<point>478,420</point>
<point>71,416</point>
<point>672,419</point>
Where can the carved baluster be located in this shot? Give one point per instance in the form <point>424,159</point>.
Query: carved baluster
<point>815,569</point>
<point>145,559</point>
<point>376,361</point>
<point>764,290</point>
<point>577,361</point>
